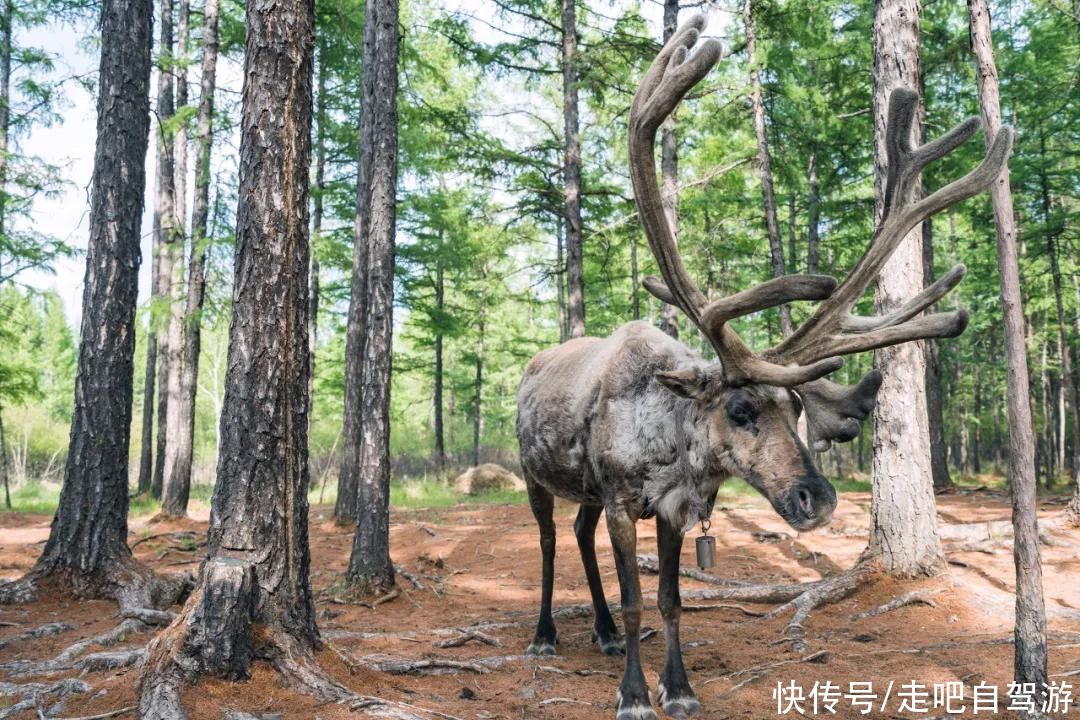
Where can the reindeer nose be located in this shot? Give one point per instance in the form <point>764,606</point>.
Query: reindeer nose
<point>812,503</point>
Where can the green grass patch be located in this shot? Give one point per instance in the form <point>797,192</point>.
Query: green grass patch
<point>431,493</point>
<point>38,497</point>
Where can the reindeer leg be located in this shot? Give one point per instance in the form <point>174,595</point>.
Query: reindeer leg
<point>605,634</point>
<point>542,503</point>
<point>673,692</point>
<point>633,696</point>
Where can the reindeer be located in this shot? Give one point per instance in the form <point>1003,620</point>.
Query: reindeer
<point>636,425</point>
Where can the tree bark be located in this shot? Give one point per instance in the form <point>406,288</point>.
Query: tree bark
<point>575,268</point>
<point>813,214</point>
<point>1053,252</point>
<point>478,377</point>
<point>3,461</point>
<point>164,217</point>
<point>903,515</point>
<point>176,479</point>
<point>176,496</point>
<point>7,17</point>
<point>370,567</point>
<point>560,280</point>
<point>356,322</point>
<point>437,400</point>
<point>669,173</point>
<point>254,597</point>
<point>768,195</point>
<point>1030,630</point>
<point>939,462</point>
<point>316,224</point>
<point>87,547</point>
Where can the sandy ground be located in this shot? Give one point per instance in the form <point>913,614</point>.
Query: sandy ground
<point>480,564</point>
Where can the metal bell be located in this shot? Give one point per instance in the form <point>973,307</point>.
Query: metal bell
<point>706,551</point>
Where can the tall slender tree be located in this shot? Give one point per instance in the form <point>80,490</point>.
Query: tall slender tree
<point>1030,629</point>
<point>176,494</point>
<point>903,515</point>
<point>257,566</point>
<point>164,237</point>
<point>669,177</point>
<point>87,548</point>
<point>369,565</point>
<point>768,193</point>
<point>575,260</point>
<point>175,484</point>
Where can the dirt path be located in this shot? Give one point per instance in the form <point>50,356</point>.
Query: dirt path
<point>480,564</point>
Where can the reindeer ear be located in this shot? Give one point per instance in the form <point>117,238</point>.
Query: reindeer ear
<point>691,382</point>
<point>835,412</point>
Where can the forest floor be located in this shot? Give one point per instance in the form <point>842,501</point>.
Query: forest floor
<point>480,564</point>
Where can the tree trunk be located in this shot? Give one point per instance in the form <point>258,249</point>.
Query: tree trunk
<point>768,196</point>
<point>356,323</point>
<point>176,495</point>
<point>370,567</point>
<point>478,378</point>
<point>903,515</point>
<point>976,441</point>
<point>6,20</point>
<point>669,173</point>
<point>1048,440</point>
<point>575,268</point>
<point>1053,252</point>
<point>316,226</point>
<point>3,459</point>
<point>813,213</point>
<point>792,258</point>
<point>1029,664</point>
<point>560,280</point>
<point>146,447</point>
<point>440,440</point>
<point>87,547</point>
<point>635,296</point>
<point>939,463</point>
<point>176,473</point>
<point>164,218</point>
<point>254,597</point>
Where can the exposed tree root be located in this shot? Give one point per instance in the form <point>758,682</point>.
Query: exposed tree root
<point>466,636</point>
<point>104,715</point>
<point>148,616</point>
<point>392,665</point>
<point>214,635</point>
<point>127,581</point>
<point>30,695</point>
<point>54,628</point>
<point>723,606</point>
<point>801,598</point>
<point>911,598</point>
<point>651,564</point>
<point>113,660</point>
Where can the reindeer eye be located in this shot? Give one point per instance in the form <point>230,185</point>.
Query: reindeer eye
<point>740,410</point>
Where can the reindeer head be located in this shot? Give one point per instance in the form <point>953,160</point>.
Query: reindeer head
<point>751,400</point>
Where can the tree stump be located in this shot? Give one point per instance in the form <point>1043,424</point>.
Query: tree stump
<point>224,615</point>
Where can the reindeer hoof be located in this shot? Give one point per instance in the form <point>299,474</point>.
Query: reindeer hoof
<point>679,705</point>
<point>634,708</point>
<point>541,648</point>
<point>611,645</point>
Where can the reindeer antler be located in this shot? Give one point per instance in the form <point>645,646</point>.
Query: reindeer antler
<point>814,349</point>
<point>669,78</point>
